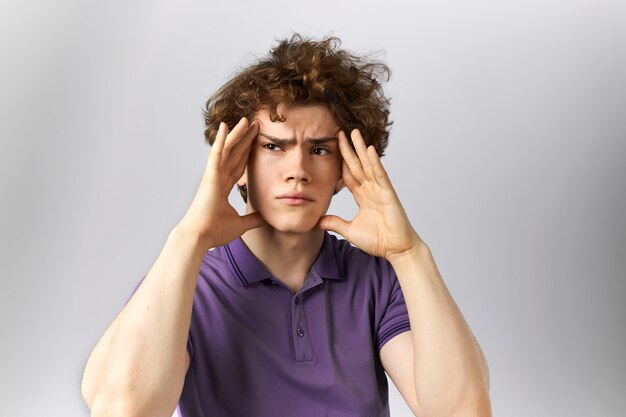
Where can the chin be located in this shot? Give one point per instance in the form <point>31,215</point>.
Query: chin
<point>292,226</point>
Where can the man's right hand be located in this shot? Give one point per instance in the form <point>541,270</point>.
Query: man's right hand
<point>211,217</point>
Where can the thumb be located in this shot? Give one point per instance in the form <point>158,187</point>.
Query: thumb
<point>252,221</point>
<point>334,224</point>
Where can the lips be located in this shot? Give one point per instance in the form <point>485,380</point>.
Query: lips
<point>295,198</point>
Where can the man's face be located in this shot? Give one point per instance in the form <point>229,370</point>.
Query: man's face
<point>294,167</point>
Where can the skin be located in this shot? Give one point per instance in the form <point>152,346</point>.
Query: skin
<point>308,162</point>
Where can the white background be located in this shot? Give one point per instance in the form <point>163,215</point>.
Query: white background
<point>508,152</point>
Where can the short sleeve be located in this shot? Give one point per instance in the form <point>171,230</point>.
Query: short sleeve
<point>395,318</point>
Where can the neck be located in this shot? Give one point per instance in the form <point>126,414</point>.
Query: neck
<point>288,256</point>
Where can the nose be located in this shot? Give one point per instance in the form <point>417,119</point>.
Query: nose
<point>296,167</point>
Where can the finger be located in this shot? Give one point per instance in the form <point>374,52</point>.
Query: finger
<point>234,136</point>
<point>334,224</point>
<point>361,150</point>
<point>350,157</point>
<point>239,169</point>
<point>244,143</point>
<point>380,174</point>
<point>252,221</point>
<point>215,153</point>
<point>348,179</point>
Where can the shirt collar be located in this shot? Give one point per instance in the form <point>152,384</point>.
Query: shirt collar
<point>248,269</point>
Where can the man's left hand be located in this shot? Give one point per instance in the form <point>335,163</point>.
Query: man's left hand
<point>381,226</point>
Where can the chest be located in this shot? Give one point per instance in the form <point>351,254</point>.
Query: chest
<point>324,323</point>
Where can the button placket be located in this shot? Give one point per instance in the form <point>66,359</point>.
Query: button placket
<point>301,342</point>
<point>298,315</point>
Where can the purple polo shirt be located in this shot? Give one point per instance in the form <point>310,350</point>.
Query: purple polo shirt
<point>257,349</point>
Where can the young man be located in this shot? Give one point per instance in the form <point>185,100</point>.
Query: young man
<point>280,318</point>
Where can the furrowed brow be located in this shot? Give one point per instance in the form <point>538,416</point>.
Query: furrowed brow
<point>291,141</point>
<point>319,141</point>
<point>279,141</point>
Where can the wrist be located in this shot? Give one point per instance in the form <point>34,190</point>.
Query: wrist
<point>417,250</point>
<point>189,238</point>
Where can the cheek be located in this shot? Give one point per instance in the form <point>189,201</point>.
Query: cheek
<point>255,170</point>
<point>332,172</point>
<point>260,180</point>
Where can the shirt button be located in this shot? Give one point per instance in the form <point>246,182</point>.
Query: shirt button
<point>296,300</point>
<point>274,282</point>
<point>300,332</point>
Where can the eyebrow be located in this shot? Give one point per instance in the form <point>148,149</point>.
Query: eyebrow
<point>292,141</point>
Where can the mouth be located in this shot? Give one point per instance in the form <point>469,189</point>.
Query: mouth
<point>295,199</point>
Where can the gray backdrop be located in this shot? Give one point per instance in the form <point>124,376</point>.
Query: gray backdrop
<point>507,151</point>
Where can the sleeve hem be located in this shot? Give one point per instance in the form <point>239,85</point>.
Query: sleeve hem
<point>393,331</point>
<point>190,349</point>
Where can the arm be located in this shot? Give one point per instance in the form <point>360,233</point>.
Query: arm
<point>449,372</point>
<point>438,366</point>
<point>138,366</point>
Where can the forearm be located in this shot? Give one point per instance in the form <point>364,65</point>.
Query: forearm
<point>451,373</point>
<point>140,360</point>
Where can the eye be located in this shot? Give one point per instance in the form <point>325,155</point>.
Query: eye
<point>271,146</point>
<point>321,151</point>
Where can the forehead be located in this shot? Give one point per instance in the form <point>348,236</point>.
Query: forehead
<point>300,120</point>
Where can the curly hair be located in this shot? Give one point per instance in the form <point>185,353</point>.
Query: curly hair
<point>305,71</point>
